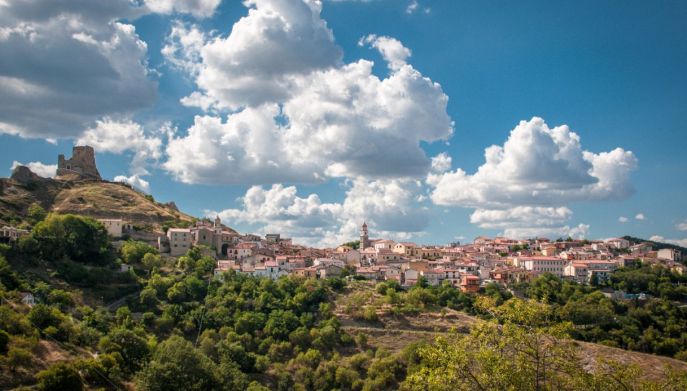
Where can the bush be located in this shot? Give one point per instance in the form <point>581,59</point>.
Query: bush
<point>4,341</point>
<point>59,377</point>
<point>18,358</point>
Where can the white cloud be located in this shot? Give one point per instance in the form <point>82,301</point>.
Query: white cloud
<point>538,166</point>
<point>391,49</point>
<point>441,162</point>
<point>197,8</point>
<point>639,216</point>
<point>386,205</point>
<point>534,174</point>
<point>71,63</point>
<point>38,168</point>
<point>246,148</point>
<point>276,41</point>
<point>135,181</point>
<point>677,242</point>
<point>182,48</point>
<point>412,6</point>
<point>623,219</point>
<point>298,107</point>
<point>121,136</point>
<point>682,226</point>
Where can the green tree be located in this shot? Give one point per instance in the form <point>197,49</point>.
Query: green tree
<point>520,349</point>
<point>133,251</point>
<point>281,323</point>
<point>151,261</point>
<point>59,377</point>
<point>36,213</point>
<point>177,365</point>
<point>80,239</point>
<point>132,347</point>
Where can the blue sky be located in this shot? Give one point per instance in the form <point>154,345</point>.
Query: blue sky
<point>613,72</point>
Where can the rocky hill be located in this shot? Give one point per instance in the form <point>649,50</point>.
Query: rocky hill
<point>93,198</point>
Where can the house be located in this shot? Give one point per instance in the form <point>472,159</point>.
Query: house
<point>540,264</point>
<point>618,243</point>
<point>115,227</point>
<point>10,235</point>
<point>307,272</point>
<point>329,271</point>
<point>407,249</point>
<point>384,245</point>
<point>430,252</point>
<point>584,272</point>
<point>433,276</point>
<point>180,241</point>
<point>469,283</point>
<point>410,277</point>
<point>369,273</point>
<point>272,238</point>
<point>670,254</point>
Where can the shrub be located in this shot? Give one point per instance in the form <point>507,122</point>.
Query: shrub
<point>59,377</point>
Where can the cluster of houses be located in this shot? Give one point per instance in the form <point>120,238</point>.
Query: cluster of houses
<point>468,267</point>
<point>499,260</point>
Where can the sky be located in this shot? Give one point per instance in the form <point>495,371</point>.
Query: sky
<point>433,121</point>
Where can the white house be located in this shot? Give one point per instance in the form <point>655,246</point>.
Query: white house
<point>618,243</point>
<point>553,265</point>
<point>669,254</point>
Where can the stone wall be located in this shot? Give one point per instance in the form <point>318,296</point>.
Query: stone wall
<point>82,163</point>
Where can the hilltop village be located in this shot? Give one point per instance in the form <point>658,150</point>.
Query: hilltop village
<point>499,260</point>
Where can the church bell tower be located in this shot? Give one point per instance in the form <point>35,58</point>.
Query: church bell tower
<point>364,238</point>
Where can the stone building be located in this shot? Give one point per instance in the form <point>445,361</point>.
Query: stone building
<point>81,163</point>
<point>364,237</point>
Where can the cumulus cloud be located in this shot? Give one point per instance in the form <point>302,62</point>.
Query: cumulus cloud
<point>391,49</point>
<point>65,64</point>
<point>537,167</point>
<point>677,242</point>
<point>386,205</point>
<point>277,41</point>
<point>441,162</point>
<point>623,219</point>
<point>639,216</point>
<point>197,8</point>
<point>182,48</point>
<point>38,168</point>
<point>297,107</point>
<point>118,137</point>
<point>135,181</point>
<point>682,226</point>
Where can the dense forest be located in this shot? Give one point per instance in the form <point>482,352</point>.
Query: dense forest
<point>170,325</point>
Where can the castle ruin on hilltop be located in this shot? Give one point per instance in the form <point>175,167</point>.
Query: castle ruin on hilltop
<point>82,163</point>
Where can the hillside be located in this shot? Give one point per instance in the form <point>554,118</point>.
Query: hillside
<point>395,332</point>
<point>97,199</point>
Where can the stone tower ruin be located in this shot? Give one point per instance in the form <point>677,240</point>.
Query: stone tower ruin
<point>82,163</point>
